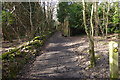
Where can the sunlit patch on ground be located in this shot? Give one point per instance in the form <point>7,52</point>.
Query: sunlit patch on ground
<point>68,57</point>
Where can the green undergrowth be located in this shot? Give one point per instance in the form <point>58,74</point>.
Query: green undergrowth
<point>14,60</point>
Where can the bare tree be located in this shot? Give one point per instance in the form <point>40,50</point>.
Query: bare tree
<point>91,41</point>
<point>107,13</point>
<point>91,21</point>
<point>96,18</point>
<point>31,23</point>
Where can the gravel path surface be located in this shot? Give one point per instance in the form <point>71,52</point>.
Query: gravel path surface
<point>67,57</point>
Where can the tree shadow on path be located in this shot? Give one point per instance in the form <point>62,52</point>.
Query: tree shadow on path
<point>61,59</point>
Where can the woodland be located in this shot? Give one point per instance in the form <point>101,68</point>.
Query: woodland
<point>58,39</point>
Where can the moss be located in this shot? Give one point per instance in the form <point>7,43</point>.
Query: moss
<point>36,43</point>
<point>28,47</point>
<point>37,38</point>
<point>5,55</point>
<point>42,37</point>
<point>11,55</point>
<point>18,53</point>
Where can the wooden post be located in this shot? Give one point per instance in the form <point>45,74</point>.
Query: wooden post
<point>66,27</point>
<point>113,60</point>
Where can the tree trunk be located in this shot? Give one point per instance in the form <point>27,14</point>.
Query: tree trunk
<point>96,18</point>
<point>91,41</point>
<point>91,51</point>
<point>66,27</point>
<point>92,28</point>
<point>101,26</point>
<point>102,30</point>
<point>103,18</point>
<point>31,23</point>
<point>106,26</point>
<point>44,9</point>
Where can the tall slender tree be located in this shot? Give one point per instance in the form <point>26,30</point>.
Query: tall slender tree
<point>91,21</point>
<point>91,41</point>
<point>96,18</point>
<point>107,14</point>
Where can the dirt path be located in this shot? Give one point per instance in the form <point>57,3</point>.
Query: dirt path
<point>68,58</point>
